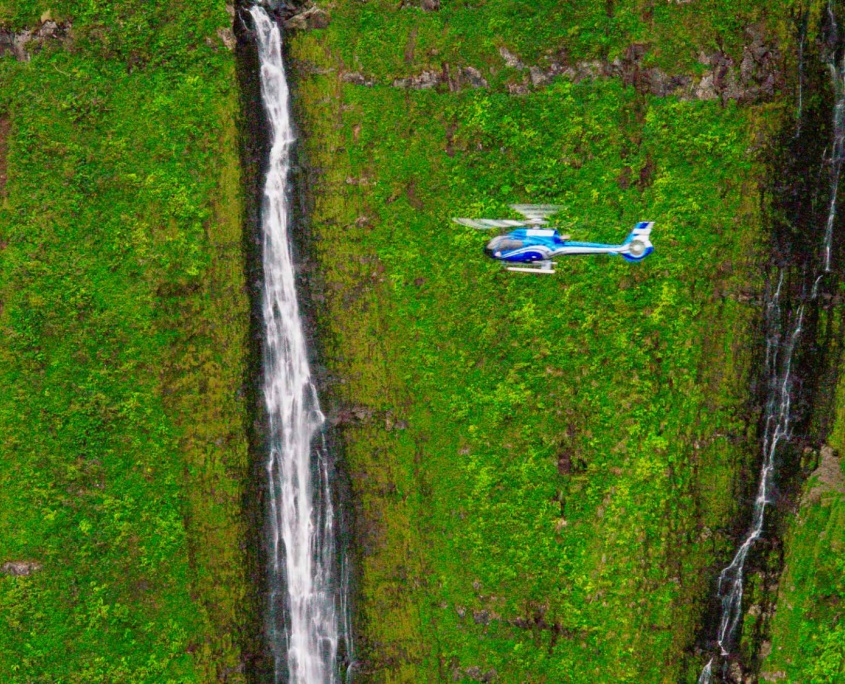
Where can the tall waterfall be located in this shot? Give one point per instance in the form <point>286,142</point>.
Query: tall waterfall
<point>305,613</point>
<point>784,326</point>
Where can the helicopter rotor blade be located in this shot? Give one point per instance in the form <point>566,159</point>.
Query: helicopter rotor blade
<point>487,224</point>
<point>536,213</point>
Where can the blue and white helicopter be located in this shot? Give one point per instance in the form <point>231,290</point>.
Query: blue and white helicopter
<point>532,244</point>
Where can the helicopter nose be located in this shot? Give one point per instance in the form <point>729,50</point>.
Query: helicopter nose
<point>488,250</point>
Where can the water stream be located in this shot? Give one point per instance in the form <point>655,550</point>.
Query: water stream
<point>784,322</point>
<point>307,616</point>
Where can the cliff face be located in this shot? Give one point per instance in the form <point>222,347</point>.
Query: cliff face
<point>547,473</point>
<point>123,449</point>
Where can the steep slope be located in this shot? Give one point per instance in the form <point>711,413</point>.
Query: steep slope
<point>124,316</point>
<point>808,644</point>
<point>548,472</point>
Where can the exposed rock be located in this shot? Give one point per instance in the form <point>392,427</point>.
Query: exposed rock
<point>351,415</point>
<point>735,672</point>
<point>390,422</point>
<point>511,59</point>
<point>356,78</point>
<point>23,44</point>
<point>20,568</point>
<point>538,77</point>
<point>481,617</point>
<point>228,38</point>
<point>827,476</point>
<point>308,19</point>
<point>424,5</point>
<point>14,44</point>
<point>475,674</point>
<point>49,29</point>
<point>473,77</point>
<point>706,89</point>
<point>662,84</point>
<point>424,81</point>
<point>589,70</point>
<point>755,79</point>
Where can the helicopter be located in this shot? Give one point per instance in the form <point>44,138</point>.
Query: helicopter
<point>532,243</point>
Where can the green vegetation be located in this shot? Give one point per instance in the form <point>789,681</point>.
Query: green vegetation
<point>547,475</point>
<point>808,637</point>
<point>123,450</point>
<point>546,472</point>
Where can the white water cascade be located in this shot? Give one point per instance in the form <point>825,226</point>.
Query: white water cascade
<point>782,337</point>
<point>306,604</point>
<point>776,429</point>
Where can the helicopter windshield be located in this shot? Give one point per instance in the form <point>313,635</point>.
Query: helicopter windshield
<point>508,245</point>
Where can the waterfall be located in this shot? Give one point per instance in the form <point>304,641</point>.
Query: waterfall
<point>836,66</point>
<point>307,614</point>
<point>783,332</point>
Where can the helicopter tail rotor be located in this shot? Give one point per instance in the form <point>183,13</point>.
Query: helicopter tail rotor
<point>637,245</point>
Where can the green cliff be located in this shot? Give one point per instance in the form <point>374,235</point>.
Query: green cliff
<point>545,474</point>
<point>545,471</point>
<point>123,351</point>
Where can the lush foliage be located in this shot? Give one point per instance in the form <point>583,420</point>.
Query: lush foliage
<point>808,638</point>
<point>123,318</point>
<point>546,470</point>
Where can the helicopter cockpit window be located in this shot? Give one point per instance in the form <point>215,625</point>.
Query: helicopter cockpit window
<point>508,245</point>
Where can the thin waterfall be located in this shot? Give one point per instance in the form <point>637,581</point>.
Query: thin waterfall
<point>836,65</point>
<point>783,333</point>
<point>307,616</point>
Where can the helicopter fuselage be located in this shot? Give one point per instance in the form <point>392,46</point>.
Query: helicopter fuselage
<point>530,245</point>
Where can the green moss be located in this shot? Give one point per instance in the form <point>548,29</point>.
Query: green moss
<point>566,481</point>
<point>123,350</point>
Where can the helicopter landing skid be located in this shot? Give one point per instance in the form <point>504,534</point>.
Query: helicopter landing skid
<point>547,267</point>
